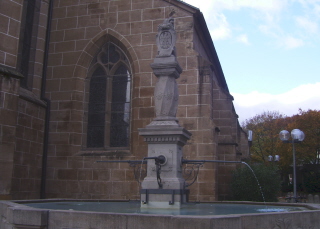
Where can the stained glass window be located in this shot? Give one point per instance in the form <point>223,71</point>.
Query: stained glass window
<point>96,110</point>
<point>120,108</point>
<point>109,100</point>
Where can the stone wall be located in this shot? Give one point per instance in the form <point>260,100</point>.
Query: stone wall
<point>22,110</point>
<point>79,28</point>
<point>10,16</point>
<point>9,87</point>
<point>78,33</point>
<point>26,177</point>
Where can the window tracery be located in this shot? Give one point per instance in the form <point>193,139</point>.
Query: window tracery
<point>109,99</point>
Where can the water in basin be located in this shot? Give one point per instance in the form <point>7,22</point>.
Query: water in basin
<point>133,207</point>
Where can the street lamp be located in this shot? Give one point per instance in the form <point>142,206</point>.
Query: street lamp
<point>275,158</point>
<point>296,137</point>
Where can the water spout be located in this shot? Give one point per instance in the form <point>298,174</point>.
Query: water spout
<point>184,161</point>
<point>256,180</point>
<point>159,160</point>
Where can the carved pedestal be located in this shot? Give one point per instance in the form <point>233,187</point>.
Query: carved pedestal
<point>165,188</point>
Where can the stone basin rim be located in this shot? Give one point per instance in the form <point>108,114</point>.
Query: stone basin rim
<point>20,203</point>
<point>14,213</point>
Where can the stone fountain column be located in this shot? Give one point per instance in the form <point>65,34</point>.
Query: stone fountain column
<point>164,185</point>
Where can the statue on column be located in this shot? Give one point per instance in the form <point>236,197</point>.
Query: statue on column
<point>167,70</point>
<point>164,136</point>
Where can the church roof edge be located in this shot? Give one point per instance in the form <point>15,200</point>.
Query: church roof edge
<point>197,14</point>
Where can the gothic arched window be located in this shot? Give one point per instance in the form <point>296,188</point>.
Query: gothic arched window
<point>109,99</point>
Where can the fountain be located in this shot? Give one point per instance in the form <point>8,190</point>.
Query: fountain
<point>163,193</point>
<point>165,137</point>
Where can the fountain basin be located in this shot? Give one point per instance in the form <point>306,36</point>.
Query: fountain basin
<point>133,207</point>
<point>19,215</point>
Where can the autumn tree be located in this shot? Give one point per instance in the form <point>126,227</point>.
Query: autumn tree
<point>309,122</point>
<point>265,128</point>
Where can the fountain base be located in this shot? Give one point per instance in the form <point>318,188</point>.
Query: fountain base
<point>163,198</point>
<point>163,187</point>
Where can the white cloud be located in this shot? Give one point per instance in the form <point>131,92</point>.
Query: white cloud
<point>281,38</point>
<point>267,5</point>
<point>290,42</point>
<point>316,10</point>
<point>220,27</point>
<point>307,25</point>
<point>243,38</point>
<point>269,29</point>
<point>289,23</point>
<point>266,12</point>
<point>305,97</point>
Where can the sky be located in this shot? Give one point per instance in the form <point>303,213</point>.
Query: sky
<point>269,51</point>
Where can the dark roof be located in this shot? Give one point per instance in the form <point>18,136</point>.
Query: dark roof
<point>188,4</point>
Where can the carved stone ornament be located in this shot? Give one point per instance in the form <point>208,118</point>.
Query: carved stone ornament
<point>166,38</point>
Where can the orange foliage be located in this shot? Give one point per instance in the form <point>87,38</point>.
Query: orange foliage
<point>266,128</point>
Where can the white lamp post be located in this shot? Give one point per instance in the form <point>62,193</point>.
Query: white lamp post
<point>296,136</point>
<point>275,158</point>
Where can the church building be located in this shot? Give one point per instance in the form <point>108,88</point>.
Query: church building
<point>76,85</point>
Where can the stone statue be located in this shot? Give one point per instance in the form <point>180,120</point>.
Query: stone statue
<point>167,70</point>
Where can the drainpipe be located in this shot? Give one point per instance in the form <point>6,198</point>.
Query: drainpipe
<point>48,102</point>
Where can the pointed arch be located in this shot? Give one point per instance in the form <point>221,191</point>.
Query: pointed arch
<point>94,45</point>
<point>108,61</point>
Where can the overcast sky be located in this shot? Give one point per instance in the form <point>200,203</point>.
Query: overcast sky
<point>269,51</point>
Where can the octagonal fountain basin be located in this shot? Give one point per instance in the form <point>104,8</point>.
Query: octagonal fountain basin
<point>124,214</point>
<point>133,207</point>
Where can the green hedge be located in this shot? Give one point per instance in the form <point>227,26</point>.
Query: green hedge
<point>245,186</point>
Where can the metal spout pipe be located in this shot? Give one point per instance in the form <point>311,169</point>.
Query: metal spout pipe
<point>160,159</point>
<point>185,161</point>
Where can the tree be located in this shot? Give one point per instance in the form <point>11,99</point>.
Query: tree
<point>265,128</point>
<point>307,151</point>
<point>309,122</point>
